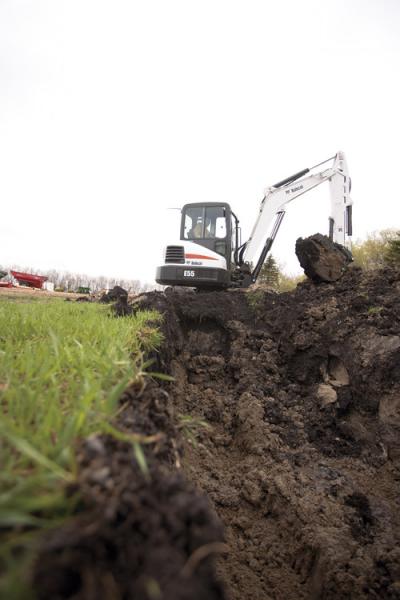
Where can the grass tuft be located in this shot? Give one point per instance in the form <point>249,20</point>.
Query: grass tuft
<point>63,368</point>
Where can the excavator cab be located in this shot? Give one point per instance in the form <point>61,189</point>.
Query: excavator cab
<point>209,239</point>
<point>209,225</point>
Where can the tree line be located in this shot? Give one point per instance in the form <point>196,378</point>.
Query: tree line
<point>67,281</point>
<point>379,249</point>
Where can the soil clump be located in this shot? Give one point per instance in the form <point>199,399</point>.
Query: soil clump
<point>117,293</point>
<point>322,259</point>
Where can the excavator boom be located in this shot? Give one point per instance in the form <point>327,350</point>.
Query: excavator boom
<point>278,196</point>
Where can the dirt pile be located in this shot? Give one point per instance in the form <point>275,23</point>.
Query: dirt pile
<point>301,464</point>
<point>142,534</point>
<point>117,293</point>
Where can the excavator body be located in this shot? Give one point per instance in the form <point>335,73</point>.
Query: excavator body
<point>204,254</point>
<point>210,254</point>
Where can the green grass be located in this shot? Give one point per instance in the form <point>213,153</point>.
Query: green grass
<point>63,368</point>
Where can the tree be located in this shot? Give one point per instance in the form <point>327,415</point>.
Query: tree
<point>392,255</point>
<point>273,276</point>
<point>270,273</point>
<point>372,252</point>
<point>287,283</point>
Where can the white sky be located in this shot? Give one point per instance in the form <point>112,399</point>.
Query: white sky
<point>112,111</point>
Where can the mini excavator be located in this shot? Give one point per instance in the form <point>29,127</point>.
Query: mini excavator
<point>210,253</point>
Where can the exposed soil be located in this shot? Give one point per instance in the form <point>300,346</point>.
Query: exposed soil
<point>301,465</point>
<point>138,532</point>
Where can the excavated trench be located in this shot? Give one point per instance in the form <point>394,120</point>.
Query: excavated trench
<point>300,461</point>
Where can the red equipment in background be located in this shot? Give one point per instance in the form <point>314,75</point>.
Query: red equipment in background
<point>35,281</point>
<point>3,284</point>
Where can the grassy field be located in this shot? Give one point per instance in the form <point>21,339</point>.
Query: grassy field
<point>63,368</point>
<point>25,294</point>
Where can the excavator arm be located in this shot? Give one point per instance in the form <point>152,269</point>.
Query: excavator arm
<point>272,209</point>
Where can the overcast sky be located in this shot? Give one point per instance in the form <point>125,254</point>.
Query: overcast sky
<point>113,111</point>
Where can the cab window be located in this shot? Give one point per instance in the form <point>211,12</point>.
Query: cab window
<point>193,223</point>
<point>215,222</point>
<point>204,222</point>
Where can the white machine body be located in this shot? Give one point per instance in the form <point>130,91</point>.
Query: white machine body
<point>209,252</point>
<point>196,256</point>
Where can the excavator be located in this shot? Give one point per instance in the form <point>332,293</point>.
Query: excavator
<point>210,254</point>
